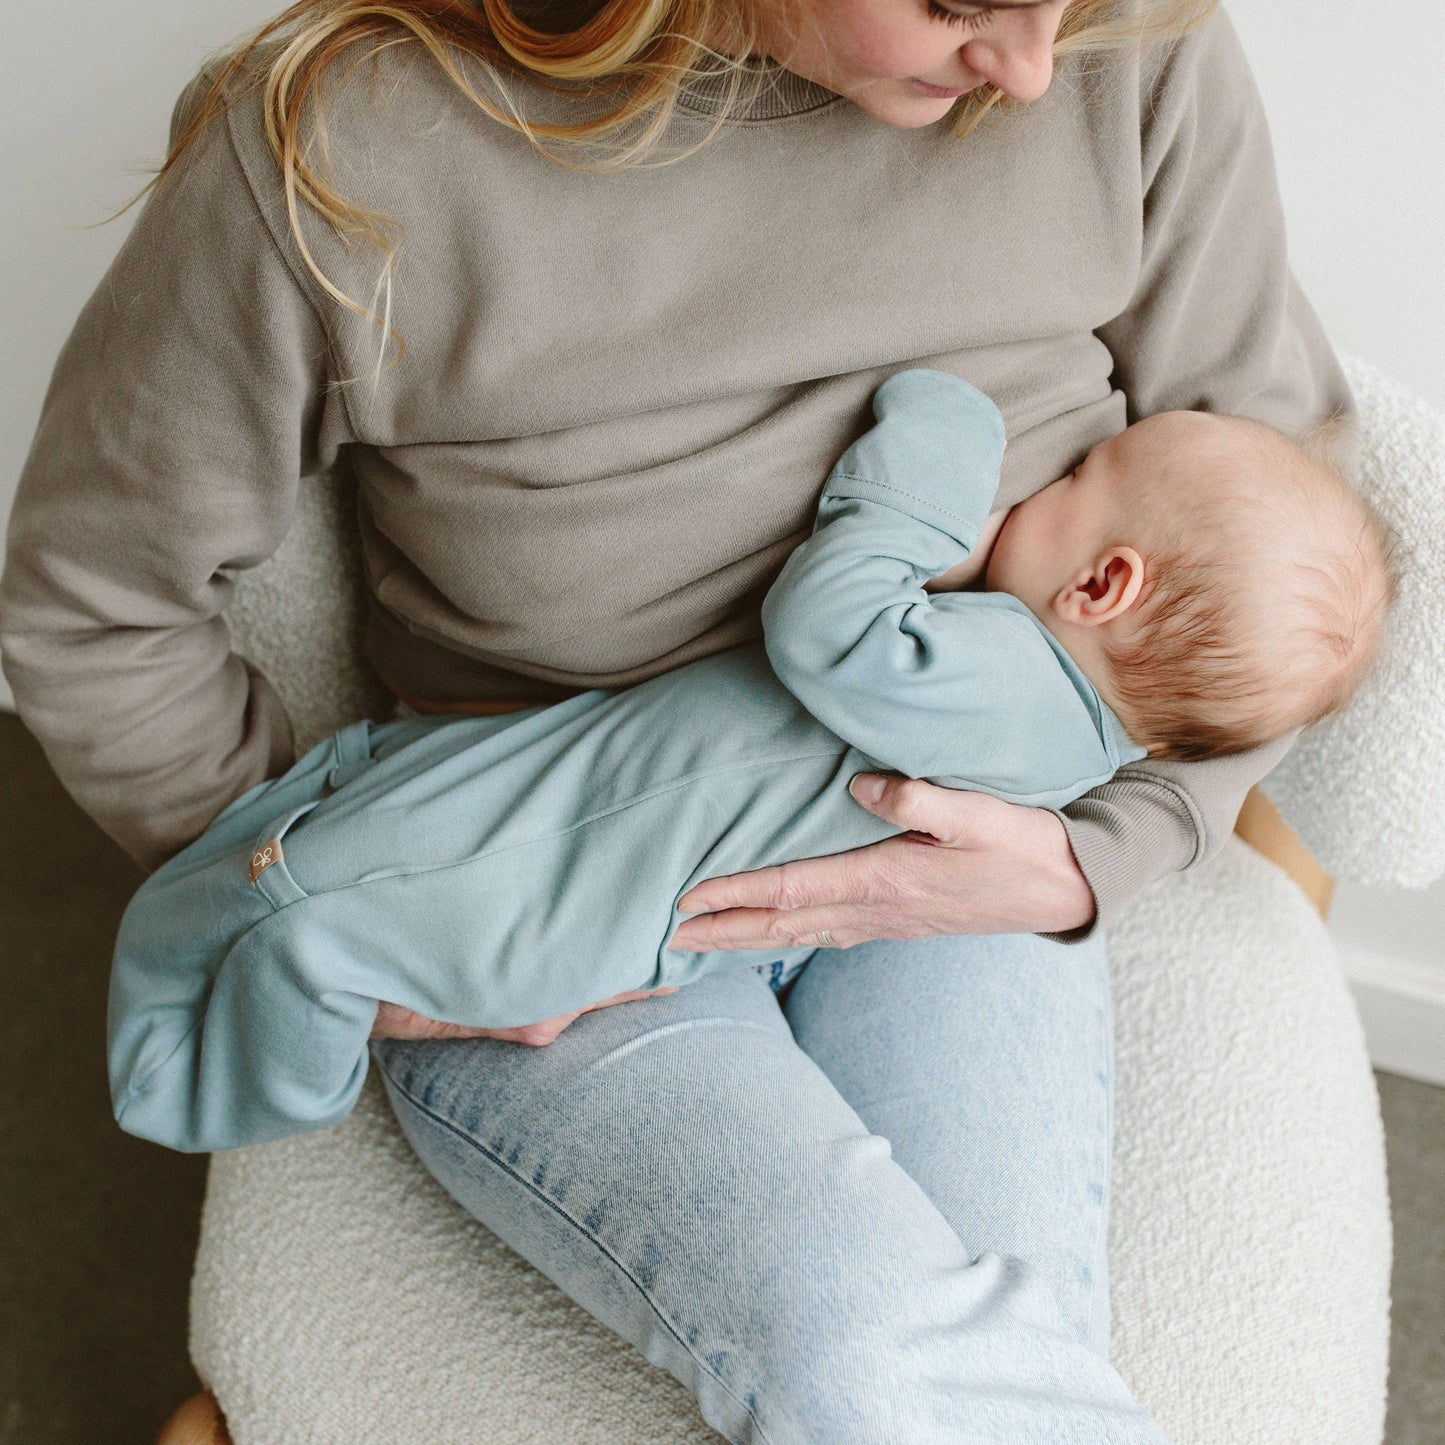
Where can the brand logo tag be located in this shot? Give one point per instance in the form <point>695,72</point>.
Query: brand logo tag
<point>264,857</point>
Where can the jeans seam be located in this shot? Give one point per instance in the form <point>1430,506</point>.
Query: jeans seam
<point>551,1204</point>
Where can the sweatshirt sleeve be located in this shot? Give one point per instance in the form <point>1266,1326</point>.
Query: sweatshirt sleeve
<point>1216,323</point>
<point>183,410</point>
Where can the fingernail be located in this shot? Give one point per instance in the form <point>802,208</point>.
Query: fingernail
<point>866,788</point>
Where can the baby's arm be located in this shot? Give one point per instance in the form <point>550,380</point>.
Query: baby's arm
<point>848,623</point>
<point>963,575</point>
<point>965,689</point>
<point>907,502</point>
<point>848,626</point>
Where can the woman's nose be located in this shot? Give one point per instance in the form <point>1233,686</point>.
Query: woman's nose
<point>1021,62</point>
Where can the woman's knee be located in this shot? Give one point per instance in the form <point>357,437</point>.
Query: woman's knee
<point>972,1056</point>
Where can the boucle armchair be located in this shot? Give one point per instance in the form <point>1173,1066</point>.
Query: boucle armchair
<point>341,1296</point>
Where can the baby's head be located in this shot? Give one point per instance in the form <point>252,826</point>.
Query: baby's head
<point>1219,584</point>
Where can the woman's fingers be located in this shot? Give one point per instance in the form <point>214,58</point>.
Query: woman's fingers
<point>962,863</point>
<point>538,1036</point>
<point>861,876</point>
<point>955,818</point>
<point>635,995</point>
<point>851,896</point>
<point>394,1022</point>
<point>825,926</point>
<point>839,876</point>
<point>945,815</point>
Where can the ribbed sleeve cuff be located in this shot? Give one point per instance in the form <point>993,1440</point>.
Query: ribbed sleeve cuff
<point>1125,834</point>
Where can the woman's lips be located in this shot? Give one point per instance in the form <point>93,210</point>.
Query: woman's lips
<point>941,92</point>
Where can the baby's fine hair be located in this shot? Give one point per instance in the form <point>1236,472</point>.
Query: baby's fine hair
<point>1265,594</point>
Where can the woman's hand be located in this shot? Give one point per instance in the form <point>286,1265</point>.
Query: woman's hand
<point>967,864</point>
<point>393,1022</point>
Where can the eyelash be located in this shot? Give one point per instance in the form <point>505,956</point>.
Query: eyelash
<point>951,17</point>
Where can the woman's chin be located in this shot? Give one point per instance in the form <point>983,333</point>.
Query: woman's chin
<point>903,106</point>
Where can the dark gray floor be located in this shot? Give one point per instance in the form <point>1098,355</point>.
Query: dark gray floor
<point>97,1229</point>
<point>1415,1145</point>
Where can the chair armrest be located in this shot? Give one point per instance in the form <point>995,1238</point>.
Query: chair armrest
<point>299,616</point>
<point>1365,790</point>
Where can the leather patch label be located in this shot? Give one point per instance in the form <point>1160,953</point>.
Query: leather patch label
<point>264,857</point>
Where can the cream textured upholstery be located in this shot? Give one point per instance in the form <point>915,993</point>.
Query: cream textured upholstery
<point>1366,790</point>
<point>340,1296</point>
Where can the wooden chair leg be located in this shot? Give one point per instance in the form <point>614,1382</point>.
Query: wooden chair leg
<point>198,1422</point>
<point>1261,826</point>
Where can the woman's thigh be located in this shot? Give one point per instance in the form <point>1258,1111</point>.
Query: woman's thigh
<point>689,1175</point>
<point>987,1063</point>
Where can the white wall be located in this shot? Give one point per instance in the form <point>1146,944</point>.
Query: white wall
<point>1354,92</point>
<point>1356,99</point>
<point>1356,102</point>
<point>86,103</point>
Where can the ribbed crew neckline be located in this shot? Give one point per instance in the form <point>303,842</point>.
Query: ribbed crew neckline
<point>779,93</point>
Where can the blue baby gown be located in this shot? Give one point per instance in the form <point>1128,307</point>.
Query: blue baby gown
<point>498,871</point>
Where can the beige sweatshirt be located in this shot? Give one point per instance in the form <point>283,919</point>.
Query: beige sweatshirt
<point>619,399</point>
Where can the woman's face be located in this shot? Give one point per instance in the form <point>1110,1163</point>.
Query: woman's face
<point>905,62</point>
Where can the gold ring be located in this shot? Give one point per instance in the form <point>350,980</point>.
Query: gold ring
<point>825,939</point>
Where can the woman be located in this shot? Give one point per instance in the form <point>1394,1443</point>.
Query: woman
<point>867,1201</point>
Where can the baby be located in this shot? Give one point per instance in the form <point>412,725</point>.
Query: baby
<point>1218,584</point>
<point>1197,585</point>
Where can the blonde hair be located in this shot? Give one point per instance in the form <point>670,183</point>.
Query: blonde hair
<point>1262,607</point>
<point>634,56</point>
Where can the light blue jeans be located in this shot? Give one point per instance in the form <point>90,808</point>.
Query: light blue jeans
<point>864,1201</point>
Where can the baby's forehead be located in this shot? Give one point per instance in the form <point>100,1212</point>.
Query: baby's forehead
<point>1176,449</point>
<point>1201,432</point>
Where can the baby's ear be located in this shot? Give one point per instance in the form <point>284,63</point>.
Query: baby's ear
<point>1104,590</point>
